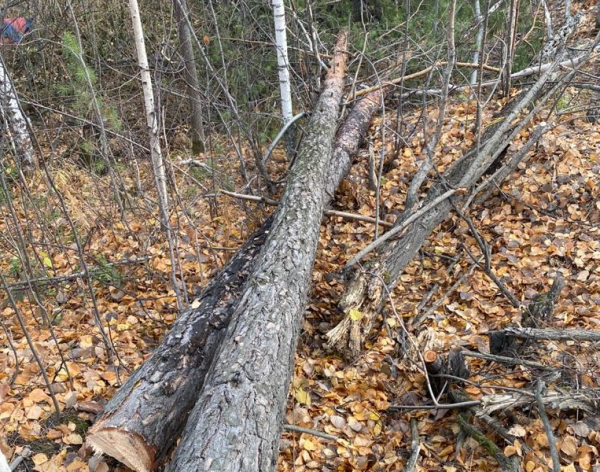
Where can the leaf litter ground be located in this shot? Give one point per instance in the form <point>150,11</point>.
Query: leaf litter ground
<point>544,220</point>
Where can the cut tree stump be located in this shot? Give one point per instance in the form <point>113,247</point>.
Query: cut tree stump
<point>144,419</point>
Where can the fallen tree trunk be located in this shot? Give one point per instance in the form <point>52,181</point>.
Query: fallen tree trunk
<point>236,423</point>
<point>365,292</point>
<point>587,400</point>
<point>579,335</point>
<point>141,423</point>
<point>144,419</point>
<point>367,287</point>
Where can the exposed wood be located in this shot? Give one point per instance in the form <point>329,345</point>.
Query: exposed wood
<point>435,366</point>
<point>236,423</point>
<point>147,414</point>
<point>432,359</point>
<point>165,388</point>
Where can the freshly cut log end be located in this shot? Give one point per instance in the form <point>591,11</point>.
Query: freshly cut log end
<point>430,357</point>
<point>128,448</point>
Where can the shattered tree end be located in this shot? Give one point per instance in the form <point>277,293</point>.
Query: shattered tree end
<point>128,448</point>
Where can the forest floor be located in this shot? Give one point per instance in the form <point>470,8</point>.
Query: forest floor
<point>544,221</point>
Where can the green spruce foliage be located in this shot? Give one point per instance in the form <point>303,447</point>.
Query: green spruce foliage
<point>82,93</point>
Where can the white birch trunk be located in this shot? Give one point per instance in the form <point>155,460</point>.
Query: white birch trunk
<point>158,164</point>
<point>16,122</point>
<point>282,60</point>
<point>4,467</point>
<point>479,19</point>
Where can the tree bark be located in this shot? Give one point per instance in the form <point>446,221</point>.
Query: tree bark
<point>191,75</point>
<point>147,410</point>
<point>158,164</point>
<point>151,116</point>
<point>511,38</point>
<point>16,122</point>
<point>236,423</point>
<point>143,420</point>
<point>579,335</point>
<point>282,59</point>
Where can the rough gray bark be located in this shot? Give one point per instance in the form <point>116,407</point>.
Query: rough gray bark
<point>147,410</point>
<point>579,335</point>
<point>143,420</point>
<point>190,75</point>
<point>236,423</point>
<point>587,400</point>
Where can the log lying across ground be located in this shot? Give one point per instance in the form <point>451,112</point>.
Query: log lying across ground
<point>141,423</point>
<point>236,423</point>
<point>368,285</point>
<point>144,419</point>
<point>365,291</point>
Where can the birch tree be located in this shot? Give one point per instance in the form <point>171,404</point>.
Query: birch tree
<point>158,165</point>
<point>151,116</point>
<point>16,122</point>
<point>283,67</point>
